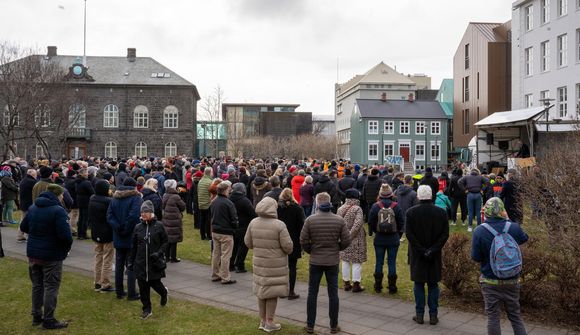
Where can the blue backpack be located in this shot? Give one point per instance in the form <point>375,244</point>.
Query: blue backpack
<point>505,256</point>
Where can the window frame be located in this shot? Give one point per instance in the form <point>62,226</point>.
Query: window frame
<point>141,149</point>
<point>42,116</point>
<point>545,56</point>
<point>374,126</point>
<point>544,11</point>
<point>562,44</point>
<point>391,144</point>
<point>417,155</point>
<point>466,121</point>
<point>170,146</point>
<point>529,17</point>
<point>111,116</point>
<point>423,124</point>
<point>376,145</point>
<point>81,121</point>
<point>170,117</point>
<point>562,101</point>
<point>109,146</point>
<point>390,129</point>
<point>529,61</point>
<point>466,88</point>
<point>141,113</point>
<point>435,125</point>
<point>529,100</point>
<point>407,124</point>
<point>437,145</point>
<point>562,7</point>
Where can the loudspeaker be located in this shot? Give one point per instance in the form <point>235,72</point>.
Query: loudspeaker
<point>489,138</point>
<point>503,145</point>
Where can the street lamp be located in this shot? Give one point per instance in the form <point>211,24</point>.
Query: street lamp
<point>546,102</point>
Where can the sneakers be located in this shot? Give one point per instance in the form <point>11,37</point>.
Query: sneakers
<point>271,327</point>
<point>54,324</point>
<point>146,315</point>
<point>469,229</point>
<point>228,282</point>
<point>164,298</point>
<point>453,223</point>
<point>107,289</point>
<point>464,223</point>
<point>261,326</point>
<point>134,298</point>
<point>97,287</point>
<point>175,260</point>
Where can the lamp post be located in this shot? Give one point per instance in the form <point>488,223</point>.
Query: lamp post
<point>546,102</point>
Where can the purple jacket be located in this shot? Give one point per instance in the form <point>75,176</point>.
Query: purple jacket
<point>306,195</point>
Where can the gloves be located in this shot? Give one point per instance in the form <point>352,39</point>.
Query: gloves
<point>428,255</point>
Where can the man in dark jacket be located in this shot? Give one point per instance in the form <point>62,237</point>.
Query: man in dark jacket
<point>123,215</point>
<point>497,292</point>
<point>246,213</point>
<point>347,182</point>
<point>49,241</point>
<point>146,259</point>
<point>427,230</point>
<point>70,184</point>
<point>457,196</point>
<point>431,181</point>
<point>323,236</point>
<point>325,184</point>
<point>102,235</point>
<point>406,197</point>
<point>473,184</point>
<point>84,191</point>
<point>26,187</point>
<point>371,190</point>
<point>224,222</point>
<point>274,193</point>
<point>510,195</point>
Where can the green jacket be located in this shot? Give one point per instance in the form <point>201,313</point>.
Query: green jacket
<point>443,202</point>
<point>203,196</point>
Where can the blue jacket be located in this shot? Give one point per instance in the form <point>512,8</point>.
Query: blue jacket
<point>49,234</point>
<point>382,238</point>
<point>482,239</point>
<point>124,214</point>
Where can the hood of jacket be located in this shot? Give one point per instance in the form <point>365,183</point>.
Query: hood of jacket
<point>372,177</point>
<point>147,191</point>
<point>102,188</point>
<point>47,199</point>
<point>259,181</point>
<point>404,190</point>
<point>125,192</point>
<point>324,179</point>
<point>267,208</point>
<point>235,196</point>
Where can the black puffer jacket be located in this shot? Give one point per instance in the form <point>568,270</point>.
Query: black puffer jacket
<point>293,216</point>
<point>372,188</point>
<point>26,186</point>
<point>344,184</point>
<point>244,209</point>
<point>147,258</point>
<point>326,185</point>
<point>84,190</point>
<point>101,231</point>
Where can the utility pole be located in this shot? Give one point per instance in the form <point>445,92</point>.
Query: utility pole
<point>85,37</point>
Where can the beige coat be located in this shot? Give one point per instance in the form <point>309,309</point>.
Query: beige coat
<point>272,244</point>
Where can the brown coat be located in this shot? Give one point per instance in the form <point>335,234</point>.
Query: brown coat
<point>272,244</point>
<point>353,218</point>
<point>173,207</point>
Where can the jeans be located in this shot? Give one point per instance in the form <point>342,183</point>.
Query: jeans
<point>474,207</point>
<point>391,252</point>
<point>432,298</point>
<point>241,251</point>
<point>292,266</point>
<point>83,222</point>
<point>8,211</point>
<point>145,292</point>
<point>331,274</point>
<point>45,280</point>
<point>121,259</point>
<point>205,224</point>
<point>307,210</point>
<point>509,296</point>
<point>458,203</point>
<point>220,256</point>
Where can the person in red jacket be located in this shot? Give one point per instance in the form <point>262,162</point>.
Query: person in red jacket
<point>297,182</point>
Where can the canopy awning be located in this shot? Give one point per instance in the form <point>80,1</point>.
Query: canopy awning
<point>513,118</point>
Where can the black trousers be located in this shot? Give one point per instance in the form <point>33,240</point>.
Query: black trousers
<point>292,262</point>
<point>205,224</point>
<point>455,203</point>
<point>83,224</point>
<point>171,252</point>
<point>145,292</point>
<point>240,251</point>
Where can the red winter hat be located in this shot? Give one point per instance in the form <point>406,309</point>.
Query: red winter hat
<point>292,169</point>
<point>198,174</point>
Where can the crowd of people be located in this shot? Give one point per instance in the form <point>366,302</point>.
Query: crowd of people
<point>134,210</point>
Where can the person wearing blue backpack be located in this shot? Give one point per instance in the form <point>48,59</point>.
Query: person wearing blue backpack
<point>495,245</point>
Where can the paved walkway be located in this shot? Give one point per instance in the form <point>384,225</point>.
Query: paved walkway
<point>359,313</point>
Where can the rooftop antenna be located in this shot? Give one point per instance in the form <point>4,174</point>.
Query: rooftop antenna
<point>85,37</point>
<point>337,64</point>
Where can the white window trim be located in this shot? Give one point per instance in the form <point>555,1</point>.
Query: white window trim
<point>545,8</point>
<point>372,158</point>
<point>424,127</point>
<point>373,124</point>
<point>529,17</point>
<point>420,157</point>
<point>438,143</point>
<point>140,153</point>
<point>174,113</point>
<point>170,146</point>
<point>545,56</point>
<point>562,50</point>
<point>108,147</point>
<point>529,61</point>
<point>392,131</point>
<point>408,123</point>
<point>392,144</point>
<point>438,123</point>
<point>141,114</point>
<point>111,115</point>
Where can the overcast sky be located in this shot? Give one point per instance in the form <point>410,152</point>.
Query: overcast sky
<point>282,51</point>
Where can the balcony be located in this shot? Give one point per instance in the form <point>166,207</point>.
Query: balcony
<point>79,133</point>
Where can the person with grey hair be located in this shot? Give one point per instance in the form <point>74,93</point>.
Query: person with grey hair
<point>323,236</point>
<point>224,223</point>
<point>173,207</point>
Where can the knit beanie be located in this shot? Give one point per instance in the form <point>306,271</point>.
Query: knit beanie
<point>147,207</point>
<point>130,182</point>
<point>352,193</point>
<point>45,172</point>
<point>424,192</point>
<point>386,191</point>
<point>54,188</point>
<point>494,208</point>
<point>239,188</point>
<point>170,183</point>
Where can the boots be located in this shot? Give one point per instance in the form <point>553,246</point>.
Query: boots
<point>378,282</point>
<point>419,319</point>
<point>356,288</point>
<point>347,285</point>
<point>392,284</point>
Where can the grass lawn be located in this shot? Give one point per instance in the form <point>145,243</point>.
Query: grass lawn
<point>96,313</point>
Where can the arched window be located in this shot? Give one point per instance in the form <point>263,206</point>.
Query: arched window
<point>141,117</point>
<point>11,117</point>
<point>77,116</point>
<point>40,151</point>
<point>170,149</point>
<point>111,116</point>
<point>141,149</point>
<point>170,117</point>
<point>111,150</point>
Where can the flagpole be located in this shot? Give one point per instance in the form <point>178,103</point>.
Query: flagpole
<point>85,37</point>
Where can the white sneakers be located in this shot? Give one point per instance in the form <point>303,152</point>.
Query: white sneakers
<point>469,229</point>
<point>269,328</point>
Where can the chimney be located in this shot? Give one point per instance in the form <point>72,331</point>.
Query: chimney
<point>411,97</point>
<point>384,97</point>
<point>131,54</point>
<point>51,51</point>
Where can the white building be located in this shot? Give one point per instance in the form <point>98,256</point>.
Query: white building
<point>546,56</point>
<point>323,125</point>
<point>380,79</point>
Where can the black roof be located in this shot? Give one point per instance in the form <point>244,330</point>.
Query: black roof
<point>400,109</point>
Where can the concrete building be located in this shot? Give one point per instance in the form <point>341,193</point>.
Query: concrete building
<point>445,98</point>
<point>323,125</point>
<point>546,57</point>
<point>370,85</point>
<point>124,106</point>
<point>481,77</point>
<point>414,130</point>
<point>422,80</point>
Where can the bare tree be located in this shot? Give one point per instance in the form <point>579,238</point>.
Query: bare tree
<point>318,128</point>
<point>211,108</point>
<point>32,93</point>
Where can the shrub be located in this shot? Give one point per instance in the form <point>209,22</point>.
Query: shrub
<point>536,288</point>
<point>459,271</point>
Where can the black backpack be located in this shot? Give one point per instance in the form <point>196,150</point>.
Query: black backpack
<point>387,222</point>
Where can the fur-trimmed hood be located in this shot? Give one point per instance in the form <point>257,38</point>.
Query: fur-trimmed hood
<point>125,192</point>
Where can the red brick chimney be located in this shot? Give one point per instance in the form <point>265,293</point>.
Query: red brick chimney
<point>383,97</point>
<point>411,97</point>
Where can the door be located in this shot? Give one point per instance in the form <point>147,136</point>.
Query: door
<point>76,151</point>
<point>404,151</point>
